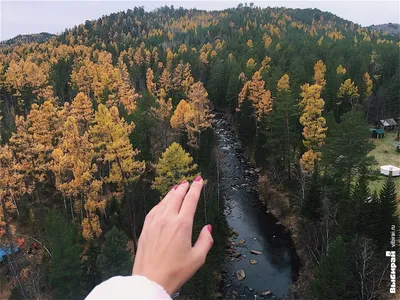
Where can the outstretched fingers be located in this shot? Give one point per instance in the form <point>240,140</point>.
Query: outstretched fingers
<point>189,204</point>
<point>173,200</point>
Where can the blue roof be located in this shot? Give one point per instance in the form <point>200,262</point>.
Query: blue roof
<point>6,251</point>
<point>378,131</point>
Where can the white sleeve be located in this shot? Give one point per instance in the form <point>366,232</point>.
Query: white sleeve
<point>128,287</point>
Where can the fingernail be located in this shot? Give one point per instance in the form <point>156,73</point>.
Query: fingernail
<point>174,187</point>
<point>198,178</point>
<point>209,228</point>
<point>183,182</point>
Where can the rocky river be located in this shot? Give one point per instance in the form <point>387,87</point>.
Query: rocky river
<point>260,260</point>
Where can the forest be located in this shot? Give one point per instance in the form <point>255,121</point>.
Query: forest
<point>99,122</point>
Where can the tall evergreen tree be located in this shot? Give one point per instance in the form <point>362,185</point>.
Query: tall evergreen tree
<point>281,130</point>
<point>65,266</point>
<point>389,216</point>
<point>333,276</point>
<point>113,258</point>
<point>311,208</point>
<point>216,86</point>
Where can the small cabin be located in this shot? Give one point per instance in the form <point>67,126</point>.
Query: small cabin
<point>377,133</point>
<point>387,124</point>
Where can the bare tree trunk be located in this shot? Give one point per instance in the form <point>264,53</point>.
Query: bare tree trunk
<point>72,209</point>
<point>218,178</point>
<point>205,204</point>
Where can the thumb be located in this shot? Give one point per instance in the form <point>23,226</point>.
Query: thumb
<point>203,244</point>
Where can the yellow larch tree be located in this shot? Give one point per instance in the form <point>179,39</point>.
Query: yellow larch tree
<point>178,75</point>
<point>264,106</point>
<point>169,58</point>
<point>319,73</point>
<point>340,70</point>
<point>12,186</point>
<point>250,64</point>
<point>253,89</point>
<point>256,88</point>
<point>368,85</point>
<point>265,65</point>
<point>313,124</point>
<point>110,138</point>
<point>182,49</point>
<point>42,130</point>
<point>116,156</point>
<point>194,115</point>
<point>151,86</point>
<point>182,115</point>
<point>188,79</point>
<point>283,83</point>
<point>174,166</point>
<point>162,113</point>
<point>202,116</point>
<point>165,80</point>
<point>127,95</point>
<point>348,93</point>
<point>82,111</point>
<point>75,177</point>
<point>267,40</point>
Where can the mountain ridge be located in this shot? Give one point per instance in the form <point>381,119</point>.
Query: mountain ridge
<point>388,28</point>
<point>28,38</point>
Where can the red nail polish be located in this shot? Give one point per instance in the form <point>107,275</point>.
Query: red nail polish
<point>209,227</point>
<point>183,182</point>
<point>198,178</point>
<point>174,187</point>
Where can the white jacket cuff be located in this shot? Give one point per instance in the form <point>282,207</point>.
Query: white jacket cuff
<point>128,287</point>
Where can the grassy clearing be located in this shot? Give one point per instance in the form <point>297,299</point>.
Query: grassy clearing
<point>385,153</point>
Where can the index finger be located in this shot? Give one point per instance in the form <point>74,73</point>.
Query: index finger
<point>189,205</point>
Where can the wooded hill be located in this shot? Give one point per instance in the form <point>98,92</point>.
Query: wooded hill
<point>100,121</point>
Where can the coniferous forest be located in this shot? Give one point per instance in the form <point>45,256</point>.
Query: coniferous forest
<point>99,122</point>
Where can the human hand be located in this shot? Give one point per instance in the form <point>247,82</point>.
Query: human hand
<point>165,253</point>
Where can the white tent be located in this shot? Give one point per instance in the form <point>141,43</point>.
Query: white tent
<point>385,170</point>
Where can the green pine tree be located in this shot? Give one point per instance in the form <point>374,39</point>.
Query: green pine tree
<point>356,210</point>
<point>333,276</point>
<point>113,258</point>
<point>389,216</point>
<point>282,133</point>
<point>216,86</point>
<point>65,265</point>
<point>311,208</point>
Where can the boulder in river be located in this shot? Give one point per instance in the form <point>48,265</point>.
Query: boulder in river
<point>240,275</point>
<point>255,252</point>
<point>266,293</point>
<point>253,261</point>
<point>237,254</point>
<point>242,241</point>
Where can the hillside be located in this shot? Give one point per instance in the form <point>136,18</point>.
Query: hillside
<point>27,38</point>
<point>389,28</point>
<point>98,123</point>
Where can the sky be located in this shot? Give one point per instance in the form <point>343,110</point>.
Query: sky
<point>25,17</point>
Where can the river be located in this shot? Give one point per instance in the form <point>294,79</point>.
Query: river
<point>275,267</point>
